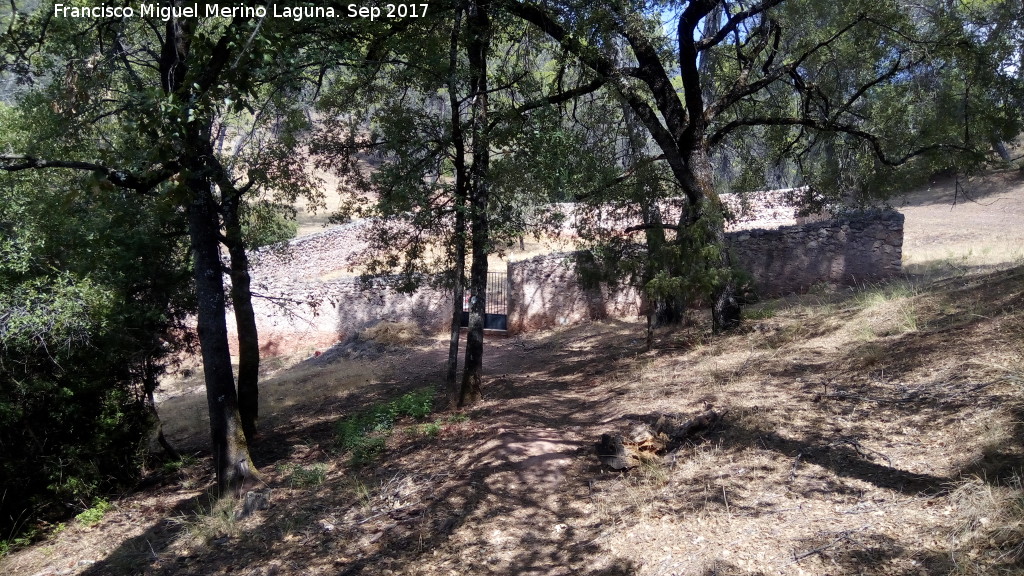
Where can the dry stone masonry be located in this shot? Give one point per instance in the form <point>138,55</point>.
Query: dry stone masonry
<point>850,249</point>
<point>546,291</point>
<point>308,298</point>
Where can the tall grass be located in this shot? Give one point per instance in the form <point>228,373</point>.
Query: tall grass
<point>894,304</point>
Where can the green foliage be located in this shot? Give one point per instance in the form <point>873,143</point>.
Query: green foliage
<point>93,295</point>
<point>175,466</point>
<point>935,86</point>
<point>367,449</point>
<point>26,538</point>
<point>365,433</point>
<point>417,404</point>
<point>457,418</point>
<point>311,477</point>
<point>431,430</point>
<point>94,279</point>
<point>763,312</point>
<point>91,516</point>
<point>267,223</point>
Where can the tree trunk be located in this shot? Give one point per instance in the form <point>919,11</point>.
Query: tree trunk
<point>726,312</point>
<point>459,234</point>
<point>458,293</point>
<point>471,389</point>
<point>479,24</point>
<point>245,318</point>
<point>1000,148</point>
<point>230,451</point>
<point>709,213</point>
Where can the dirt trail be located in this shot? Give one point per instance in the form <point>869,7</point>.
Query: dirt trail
<point>874,432</point>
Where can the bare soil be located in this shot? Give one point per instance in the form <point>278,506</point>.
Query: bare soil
<point>871,431</point>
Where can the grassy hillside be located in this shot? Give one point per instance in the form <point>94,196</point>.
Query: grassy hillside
<point>868,431</point>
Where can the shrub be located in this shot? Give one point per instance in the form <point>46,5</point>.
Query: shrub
<point>92,516</point>
<point>308,477</point>
<point>365,433</point>
<point>265,223</point>
<point>432,429</point>
<point>93,294</point>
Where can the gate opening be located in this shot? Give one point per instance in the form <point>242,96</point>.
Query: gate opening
<point>495,303</point>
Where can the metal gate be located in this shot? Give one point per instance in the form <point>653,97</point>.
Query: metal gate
<point>495,303</point>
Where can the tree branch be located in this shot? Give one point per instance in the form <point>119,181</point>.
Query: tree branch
<point>581,90</point>
<point>143,184</point>
<point>626,175</point>
<point>650,226</point>
<point>740,91</point>
<point>824,126</point>
<point>606,68</point>
<point>734,21</point>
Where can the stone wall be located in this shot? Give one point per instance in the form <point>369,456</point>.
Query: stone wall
<point>306,296</point>
<point>844,251</point>
<point>309,298</point>
<point>303,319</point>
<point>324,255</point>
<point>545,291</point>
<point>767,209</point>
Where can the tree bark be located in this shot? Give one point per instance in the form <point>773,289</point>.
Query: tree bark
<point>479,24</point>
<point>459,234</point>
<point>245,318</point>
<point>725,309</point>
<point>458,293</point>
<point>472,388</point>
<point>230,451</point>
<point>726,312</point>
<point>1000,148</point>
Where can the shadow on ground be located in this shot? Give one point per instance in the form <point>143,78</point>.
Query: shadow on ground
<point>510,491</point>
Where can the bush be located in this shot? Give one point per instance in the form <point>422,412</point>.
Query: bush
<point>418,404</point>
<point>94,287</point>
<point>73,417</point>
<point>266,223</point>
<point>92,516</point>
<point>365,433</point>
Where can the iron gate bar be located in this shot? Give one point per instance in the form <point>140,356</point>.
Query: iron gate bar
<point>495,302</point>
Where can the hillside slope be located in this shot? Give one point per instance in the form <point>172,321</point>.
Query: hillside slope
<point>873,431</point>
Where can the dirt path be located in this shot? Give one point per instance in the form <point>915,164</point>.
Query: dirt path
<point>876,432</point>
<point>849,444</point>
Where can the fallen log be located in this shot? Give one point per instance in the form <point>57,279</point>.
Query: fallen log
<point>646,443</point>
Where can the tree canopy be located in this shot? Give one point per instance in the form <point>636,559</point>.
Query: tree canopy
<point>135,148</point>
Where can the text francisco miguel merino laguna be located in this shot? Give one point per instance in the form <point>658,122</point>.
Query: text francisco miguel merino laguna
<point>151,10</point>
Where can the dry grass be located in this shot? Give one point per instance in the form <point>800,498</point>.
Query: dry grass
<point>988,530</point>
<point>952,229</point>
<point>393,333</point>
<point>874,431</point>
<point>185,413</point>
